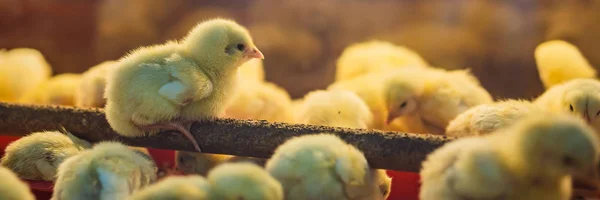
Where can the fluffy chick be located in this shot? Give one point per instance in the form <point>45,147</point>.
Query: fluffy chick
<point>487,168</point>
<point>488,118</point>
<point>169,85</point>
<point>58,90</point>
<point>323,167</point>
<point>580,97</point>
<point>334,108</point>
<point>191,187</point>
<point>12,188</point>
<point>371,56</point>
<point>247,181</point>
<point>38,155</point>
<point>18,65</point>
<point>559,61</point>
<point>109,170</point>
<point>90,91</point>
<point>260,100</point>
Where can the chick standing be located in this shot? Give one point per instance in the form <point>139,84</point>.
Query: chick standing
<point>559,61</point>
<point>192,187</point>
<point>109,170</point>
<point>580,97</point>
<point>334,108</point>
<point>38,155</point>
<point>488,118</point>
<point>18,65</point>
<point>58,90</point>
<point>12,188</point>
<point>248,181</point>
<point>169,85</point>
<point>323,167</point>
<point>506,164</point>
<point>90,91</point>
<point>372,56</point>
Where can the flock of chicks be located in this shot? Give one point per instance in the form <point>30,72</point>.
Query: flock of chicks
<point>508,149</point>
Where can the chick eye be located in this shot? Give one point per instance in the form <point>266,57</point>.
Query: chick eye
<point>403,105</point>
<point>240,47</point>
<point>568,161</point>
<point>598,113</point>
<point>571,108</point>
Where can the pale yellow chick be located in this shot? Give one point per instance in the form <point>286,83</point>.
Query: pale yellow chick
<point>22,70</point>
<point>90,91</point>
<point>559,61</point>
<point>12,188</point>
<point>234,181</point>
<point>260,100</point>
<point>487,118</point>
<point>109,170</point>
<point>336,108</point>
<point>373,56</point>
<point>191,187</point>
<point>58,90</point>
<point>324,167</point>
<point>533,159</point>
<point>580,97</point>
<point>38,155</point>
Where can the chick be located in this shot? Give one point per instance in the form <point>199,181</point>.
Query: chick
<point>580,97</point>
<point>192,187</point>
<point>247,181</point>
<point>324,167</point>
<point>21,64</point>
<point>371,56</point>
<point>109,170</point>
<point>90,91</point>
<point>12,188</point>
<point>260,100</point>
<point>335,108</point>
<point>58,90</point>
<point>487,118</point>
<point>38,155</point>
<point>167,86</point>
<point>559,61</point>
<point>198,163</point>
<point>487,168</point>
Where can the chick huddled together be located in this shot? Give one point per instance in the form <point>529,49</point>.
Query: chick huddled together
<point>503,149</point>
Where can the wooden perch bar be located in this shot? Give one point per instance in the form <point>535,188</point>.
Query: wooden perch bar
<point>254,138</point>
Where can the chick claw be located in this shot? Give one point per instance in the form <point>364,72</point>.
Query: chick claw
<point>177,127</point>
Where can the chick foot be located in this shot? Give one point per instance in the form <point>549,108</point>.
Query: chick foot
<point>176,127</point>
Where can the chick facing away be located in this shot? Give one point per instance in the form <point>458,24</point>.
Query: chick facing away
<point>90,91</point>
<point>334,108</point>
<point>487,118</point>
<point>191,187</point>
<point>559,61</point>
<point>18,65</point>
<point>170,85</point>
<point>246,181</point>
<point>324,167</point>
<point>12,188</point>
<point>38,155</point>
<point>109,170</point>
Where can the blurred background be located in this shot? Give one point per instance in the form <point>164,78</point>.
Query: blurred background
<point>301,39</point>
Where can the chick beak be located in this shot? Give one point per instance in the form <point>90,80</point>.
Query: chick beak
<point>391,117</point>
<point>253,53</point>
<point>587,179</point>
<point>586,116</point>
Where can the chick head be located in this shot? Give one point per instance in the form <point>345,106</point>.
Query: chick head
<point>243,181</point>
<point>221,44</point>
<point>401,97</point>
<point>582,97</point>
<point>563,144</point>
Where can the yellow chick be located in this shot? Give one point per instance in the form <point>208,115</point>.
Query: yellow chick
<point>18,65</point>
<point>372,56</point>
<point>58,90</point>
<point>38,155</point>
<point>170,85</point>
<point>487,168</point>
<point>580,97</point>
<point>260,100</point>
<point>559,61</point>
<point>109,170</point>
<point>488,118</point>
<point>233,181</point>
<point>324,167</point>
<point>252,70</point>
<point>191,187</point>
<point>12,188</point>
<point>335,108</point>
<point>90,91</point>
<point>198,163</point>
